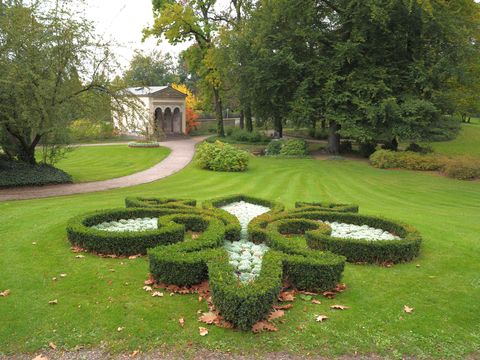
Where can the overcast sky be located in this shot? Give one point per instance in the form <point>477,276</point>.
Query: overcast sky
<point>123,21</point>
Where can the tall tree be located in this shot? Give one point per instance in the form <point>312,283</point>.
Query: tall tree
<point>49,64</point>
<point>184,20</point>
<point>151,69</point>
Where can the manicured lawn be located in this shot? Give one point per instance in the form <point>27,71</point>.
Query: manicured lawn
<point>467,143</point>
<point>93,163</point>
<point>99,295</point>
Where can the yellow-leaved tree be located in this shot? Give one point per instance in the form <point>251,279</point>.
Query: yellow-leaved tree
<point>191,105</point>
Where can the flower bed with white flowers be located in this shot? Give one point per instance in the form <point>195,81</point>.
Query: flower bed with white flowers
<point>138,224</point>
<point>245,256</point>
<point>351,231</point>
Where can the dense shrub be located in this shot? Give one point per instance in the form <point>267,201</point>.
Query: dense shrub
<point>289,147</point>
<point>13,173</point>
<point>241,135</point>
<point>386,159</point>
<point>294,147</point>
<point>414,147</point>
<point>462,168</point>
<point>84,129</point>
<point>220,156</point>
<point>274,147</point>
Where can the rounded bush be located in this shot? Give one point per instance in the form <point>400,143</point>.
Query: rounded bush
<point>220,156</point>
<point>294,147</point>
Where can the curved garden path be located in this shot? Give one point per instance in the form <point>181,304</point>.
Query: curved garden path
<point>181,154</point>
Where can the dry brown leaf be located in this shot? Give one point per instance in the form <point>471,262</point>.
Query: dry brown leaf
<point>321,318</point>
<point>276,314</point>
<point>287,296</point>
<point>339,307</point>
<point>53,302</point>
<point>147,288</point>
<point>80,256</point>
<point>76,249</point>
<point>181,321</point>
<point>329,294</point>
<point>135,353</point>
<point>283,307</point>
<point>5,293</point>
<point>307,293</point>
<point>407,309</point>
<point>40,357</point>
<point>54,278</point>
<point>52,346</point>
<point>208,318</point>
<point>150,280</point>
<point>63,275</point>
<point>157,294</point>
<point>316,302</point>
<point>340,287</point>
<point>263,326</point>
<point>133,257</point>
<point>202,331</point>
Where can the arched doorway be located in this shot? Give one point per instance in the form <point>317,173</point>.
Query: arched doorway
<point>177,121</point>
<point>167,118</point>
<point>159,121</point>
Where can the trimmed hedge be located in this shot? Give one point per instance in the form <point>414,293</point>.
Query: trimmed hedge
<point>294,237</point>
<point>15,173</point>
<point>369,251</point>
<point>152,202</point>
<point>80,233</point>
<point>301,206</point>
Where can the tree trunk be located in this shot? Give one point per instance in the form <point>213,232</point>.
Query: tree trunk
<point>394,144</point>
<point>248,118</point>
<point>333,139</point>
<point>278,126</point>
<point>218,113</point>
<point>324,125</point>
<point>27,155</point>
<point>242,119</point>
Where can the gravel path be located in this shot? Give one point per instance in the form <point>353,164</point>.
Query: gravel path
<point>180,156</point>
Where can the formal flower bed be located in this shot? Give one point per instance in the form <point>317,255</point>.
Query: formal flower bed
<point>245,247</point>
<point>143,144</point>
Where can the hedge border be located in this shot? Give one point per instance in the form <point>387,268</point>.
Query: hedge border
<point>301,206</point>
<point>153,202</point>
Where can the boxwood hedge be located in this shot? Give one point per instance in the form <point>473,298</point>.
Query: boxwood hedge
<point>301,248</point>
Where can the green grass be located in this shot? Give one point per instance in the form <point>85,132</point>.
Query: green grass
<point>99,295</point>
<point>94,163</point>
<point>466,143</point>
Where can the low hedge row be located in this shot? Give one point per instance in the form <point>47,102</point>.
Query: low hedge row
<point>159,202</point>
<point>80,232</point>
<point>369,251</point>
<point>301,206</point>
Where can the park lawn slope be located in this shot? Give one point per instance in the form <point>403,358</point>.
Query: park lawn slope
<point>467,143</point>
<point>100,295</point>
<point>94,163</point>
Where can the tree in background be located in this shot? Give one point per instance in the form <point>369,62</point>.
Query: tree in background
<point>191,106</point>
<point>50,69</point>
<point>151,69</point>
<point>185,20</point>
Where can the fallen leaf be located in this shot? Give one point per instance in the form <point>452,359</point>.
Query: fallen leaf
<point>135,353</point>
<point>276,314</point>
<point>283,307</point>
<point>40,357</point>
<point>407,309</point>
<point>200,299</point>
<point>76,249</point>
<point>53,302</point>
<point>54,278</point>
<point>52,346</point>
<point>120,328</point>
<point>208,318</point>
<point>5,293</point>
<point>181,321</point>
<point>263,326</point>
<point>340,287</point>
<point>63,275</point>
<point>80,256</point>
<point>316,302</point>
<point>321,318</point>
<point>147,288</point>
<point>157,294</point>
<point>34,243</point>
<point>287,296</point>
<point>418,265</point>
<point>339,307</point>
<point>150,280</point>
<point>307,293</point>
<point>202,331</point>
<point>133,257</point>
<point>329,294</point>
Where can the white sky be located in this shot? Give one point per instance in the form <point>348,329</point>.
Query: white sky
<point>123,22</point>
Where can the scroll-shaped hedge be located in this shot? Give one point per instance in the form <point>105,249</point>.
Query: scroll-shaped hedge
<point>301,206</point>
<point>159,202</point>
